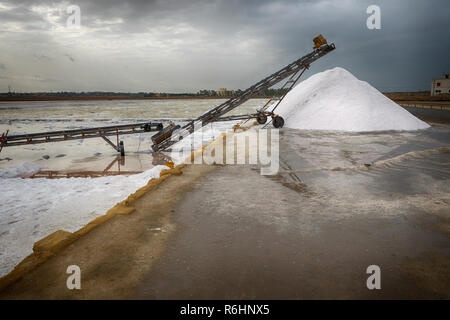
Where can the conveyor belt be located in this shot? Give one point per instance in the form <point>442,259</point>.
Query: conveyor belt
<point>76,134</point>
<point>215,113</point>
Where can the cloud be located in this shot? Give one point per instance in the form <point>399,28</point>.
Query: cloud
<point>168,45</point>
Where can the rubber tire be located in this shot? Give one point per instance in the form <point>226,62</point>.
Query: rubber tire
<point>261,119</point>
<point>278,122</point>
<point>122,149</point>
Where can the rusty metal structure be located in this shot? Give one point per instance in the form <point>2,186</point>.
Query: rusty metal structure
<point>294,71</point>
<point>76,134</point>
<point>56,174</point>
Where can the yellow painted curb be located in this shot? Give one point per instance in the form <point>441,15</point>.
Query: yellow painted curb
<point>58,240</point>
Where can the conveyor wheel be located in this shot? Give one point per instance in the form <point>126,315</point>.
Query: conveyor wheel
<point>122,148</point>
<point>262,118</point>
<point>278,122</point>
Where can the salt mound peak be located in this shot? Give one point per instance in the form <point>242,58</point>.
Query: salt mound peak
<point>336,100</point>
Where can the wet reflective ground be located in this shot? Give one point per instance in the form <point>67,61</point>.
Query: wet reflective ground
<point>340,203</point>
<point>351,165</point>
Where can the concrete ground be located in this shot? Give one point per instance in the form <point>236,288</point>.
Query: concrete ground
<point>289,244</point>
<point>338,204</point>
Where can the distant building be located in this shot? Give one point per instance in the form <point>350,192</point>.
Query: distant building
<point>440,86</point>
<point>224,92</point>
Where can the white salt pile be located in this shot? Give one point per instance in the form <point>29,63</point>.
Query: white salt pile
<point>337,100</point>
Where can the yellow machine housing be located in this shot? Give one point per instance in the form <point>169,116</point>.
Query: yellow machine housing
<point>319,41</point>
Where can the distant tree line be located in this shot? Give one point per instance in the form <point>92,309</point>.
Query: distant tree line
<point>200,93</point>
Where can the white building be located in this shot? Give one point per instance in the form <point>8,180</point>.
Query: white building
<point>440,86</point>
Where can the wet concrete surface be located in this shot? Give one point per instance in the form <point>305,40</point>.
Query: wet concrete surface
<point>311,231</point>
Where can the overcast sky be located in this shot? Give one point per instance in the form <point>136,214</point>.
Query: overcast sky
<point>185,46</point>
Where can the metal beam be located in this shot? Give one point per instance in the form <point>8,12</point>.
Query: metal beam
<point>76,134</point>
<point>215,113</point>
<point>111,143</point>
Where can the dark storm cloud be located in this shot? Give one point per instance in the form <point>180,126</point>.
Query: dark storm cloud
<point>208,44</point>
